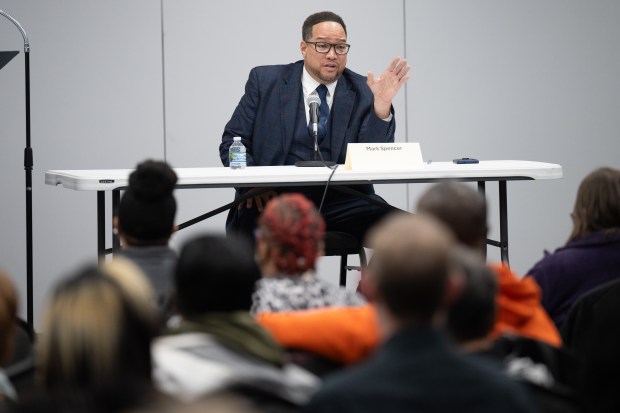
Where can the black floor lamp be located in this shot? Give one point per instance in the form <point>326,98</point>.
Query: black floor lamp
<point>28,164</point>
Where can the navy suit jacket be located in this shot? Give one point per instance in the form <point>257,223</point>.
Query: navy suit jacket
<point>267,113</point>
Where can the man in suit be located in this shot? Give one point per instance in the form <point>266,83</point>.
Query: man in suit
<point>415,369</point>
<point>272,120</point>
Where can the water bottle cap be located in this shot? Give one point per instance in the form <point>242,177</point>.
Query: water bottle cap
<point>237,138</point>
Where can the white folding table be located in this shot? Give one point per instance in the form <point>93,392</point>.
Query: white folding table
<point>115,180</point>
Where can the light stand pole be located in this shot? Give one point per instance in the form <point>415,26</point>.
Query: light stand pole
<point>28,165</point>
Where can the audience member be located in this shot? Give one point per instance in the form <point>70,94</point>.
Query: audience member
<point>415,368</point>
<point>8,318</point>
<point>289,240</point>
<point>591,257</point>
<point>591,331</point>
<point>144,223</point>
<point>347,335</point>
<point>217,344</point>
<point>94,349</point>
<point>472,316</point>
<point>546,371</point>
<point>519,309</point>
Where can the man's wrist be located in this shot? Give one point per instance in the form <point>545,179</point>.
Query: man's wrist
<point>383,112</point>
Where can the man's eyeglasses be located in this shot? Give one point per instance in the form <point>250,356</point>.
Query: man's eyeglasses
<point>324,48</point>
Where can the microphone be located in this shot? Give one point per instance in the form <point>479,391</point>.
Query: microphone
<point>314,102</point>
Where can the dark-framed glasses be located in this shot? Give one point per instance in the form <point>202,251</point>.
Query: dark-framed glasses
<point>324,48</point>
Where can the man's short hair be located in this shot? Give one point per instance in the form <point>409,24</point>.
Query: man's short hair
<point>215,273</point>
<point>410,266</point>
<point>460,207</point>
<point>320,17</point>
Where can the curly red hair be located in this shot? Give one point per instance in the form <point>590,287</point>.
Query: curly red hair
<point>294,229</point>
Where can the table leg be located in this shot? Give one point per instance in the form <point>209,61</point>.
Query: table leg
<point>101,225</point>
<point>116,199</point>
<point>482,191</point>
<point>503,221</point>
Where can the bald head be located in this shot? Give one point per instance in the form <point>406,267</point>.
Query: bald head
<point>461,208</point>
<point>410,266</point>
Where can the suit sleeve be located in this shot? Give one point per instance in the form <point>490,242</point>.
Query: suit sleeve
<point>242,121</point>
<point>376,130</point>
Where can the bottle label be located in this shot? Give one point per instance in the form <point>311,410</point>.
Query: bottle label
<point>237,159</point>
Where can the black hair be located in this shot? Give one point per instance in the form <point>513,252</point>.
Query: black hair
<point>215,273</point>
<point>472,316</point>
<point>147,209</point>
<point>320,17</point>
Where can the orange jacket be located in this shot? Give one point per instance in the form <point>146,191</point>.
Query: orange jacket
<point>344,334</point>
<point>349,334</point>
<point>519,311</point>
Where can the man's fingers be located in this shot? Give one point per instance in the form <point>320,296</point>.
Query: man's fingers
<point>371,78</point>
<point>259,202</point>
<point>393,64</point>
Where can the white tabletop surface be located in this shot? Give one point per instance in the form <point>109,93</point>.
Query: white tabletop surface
<point>110,179</point>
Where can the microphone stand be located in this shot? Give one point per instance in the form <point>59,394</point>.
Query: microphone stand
<point>28,165</point>
<point>315,162</point>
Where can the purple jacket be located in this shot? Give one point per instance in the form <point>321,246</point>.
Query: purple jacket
<point>576,268</point>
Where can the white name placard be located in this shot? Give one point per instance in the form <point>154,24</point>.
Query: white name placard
<point>383,156</point>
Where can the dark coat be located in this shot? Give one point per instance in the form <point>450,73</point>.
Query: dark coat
<point>592,332</point>
<point>576,268</point>
<point>416,371</point>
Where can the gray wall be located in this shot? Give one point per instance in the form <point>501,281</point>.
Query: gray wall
<point>116,82</point>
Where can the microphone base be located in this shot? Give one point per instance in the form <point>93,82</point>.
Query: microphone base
<point>314,164</point>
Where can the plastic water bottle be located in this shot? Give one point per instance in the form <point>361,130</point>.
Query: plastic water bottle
<point>236,154</point>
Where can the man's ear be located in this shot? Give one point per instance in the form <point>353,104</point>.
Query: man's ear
<point>303,47</point>
<point>115,224</point>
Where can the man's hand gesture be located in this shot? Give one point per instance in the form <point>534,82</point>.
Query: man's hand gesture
<point>385,86</point>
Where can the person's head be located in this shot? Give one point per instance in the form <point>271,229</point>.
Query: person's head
<point>597,206</point>
<point>472,316</point>
<point>324,63</point>
<point>215,273</point>
<point>146,211</point>
<point>290,235</point>
<point>8,314</point>
<point>461,208</point>
<point>95,339</point>
<point>411,269</point>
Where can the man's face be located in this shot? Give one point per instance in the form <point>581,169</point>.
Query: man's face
<point>325,67</point>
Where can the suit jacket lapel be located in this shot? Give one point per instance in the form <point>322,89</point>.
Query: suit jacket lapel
<point>290,94</point>
<point>342,107</point>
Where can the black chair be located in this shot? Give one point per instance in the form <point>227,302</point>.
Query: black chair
<point>344,244</point>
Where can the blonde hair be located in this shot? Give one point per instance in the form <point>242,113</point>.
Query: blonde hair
<point>94,334</point>
<point>135,284</point>
<point>8,311</point>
